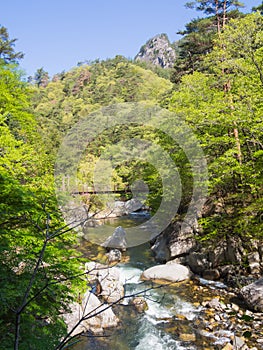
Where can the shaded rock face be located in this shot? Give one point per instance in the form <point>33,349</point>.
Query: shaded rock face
<point>229,251</point>
<point>117,240</point>
<point>253,295</point>
<point>175,241</point>
<point>171,272</point>
<point>158,51</point>
<point>223,261</point>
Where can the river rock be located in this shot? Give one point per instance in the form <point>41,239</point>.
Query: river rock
<point>167,272</point>
<point>211,274</point>
<point>187,337</point>
<point>120,208</point>
<point>214,304</point>
<point>139,303</point>
<point>111,287</point>
<point>114,255</point>
<point>117,240</point>
<point>254,262</point>
<point>253,295</point>
<point>98,316</point>
<point>198,262</point>
<point>72,319</point>
<point>133,204</point>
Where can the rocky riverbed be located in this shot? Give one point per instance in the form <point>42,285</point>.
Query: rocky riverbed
<point>193,314</point>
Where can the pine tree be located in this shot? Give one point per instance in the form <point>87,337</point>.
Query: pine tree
<point>7,52</point>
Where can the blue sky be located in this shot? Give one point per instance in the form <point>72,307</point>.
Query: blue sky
<point>57,34</point>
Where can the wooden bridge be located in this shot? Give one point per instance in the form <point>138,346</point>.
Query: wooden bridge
<point>91,190</point>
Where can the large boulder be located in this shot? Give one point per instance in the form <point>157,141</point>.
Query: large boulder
<point>177,240</point>
<point>120,208</point>
<point>170,272</point>
<point>117,240</point>
<point>132,205</point>
<point>98,316</point>
<point>198,262</point>
<point>108,278</point>
<point>253,295</point>
<point>91,316</point>
<point>229,251</point>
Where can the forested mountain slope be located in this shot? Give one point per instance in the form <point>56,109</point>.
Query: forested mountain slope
<point>219,98</point>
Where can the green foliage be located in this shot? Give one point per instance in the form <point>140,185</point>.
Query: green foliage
<point>7,52</point>
<point>220,99</point>
<point>214,7</point>
<point>228,123</point>
<point>41,77</point>
<point>196,43</point>
<point>77,93</point>
<point>27,196</point>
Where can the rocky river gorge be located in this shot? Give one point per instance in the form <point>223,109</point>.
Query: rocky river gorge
<point>141,310</point>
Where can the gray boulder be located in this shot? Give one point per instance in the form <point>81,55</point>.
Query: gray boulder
<point>198,262</point>
<point>117,240</point>
<point>132,205</point>
<point>253,295</point>
<point>171,272</point>
<point>227,252</point>
<point>91,316</point>
<point>177,240</point>
<point>114,255</point>
<point>108,278</point>
<point>99,316</point>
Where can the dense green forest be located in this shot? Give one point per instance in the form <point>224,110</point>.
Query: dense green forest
<point>216,90</point>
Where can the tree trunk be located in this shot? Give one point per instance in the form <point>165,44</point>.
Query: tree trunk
<point>239,153</point>
<point>227,87</point>
<point>224,14</point>
<point>218,17</point>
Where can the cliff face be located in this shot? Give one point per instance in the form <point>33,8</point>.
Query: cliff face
<point>158,51</point>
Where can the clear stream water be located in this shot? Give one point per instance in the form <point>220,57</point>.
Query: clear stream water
<point>171,309</point>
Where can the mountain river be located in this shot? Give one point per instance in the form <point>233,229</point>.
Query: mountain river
<point>174,315</point>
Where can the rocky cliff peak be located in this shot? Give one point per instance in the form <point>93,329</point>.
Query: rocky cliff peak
<point>158,51</point>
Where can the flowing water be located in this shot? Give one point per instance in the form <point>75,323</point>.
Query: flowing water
<point>171,311</point>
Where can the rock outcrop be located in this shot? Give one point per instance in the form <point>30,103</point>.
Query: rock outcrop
<point>170,272</point>
<point>114,255</point>
<point>225,260</point>
<point>253,295</point>
<point>175,241</point>
<point>158,51</point>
